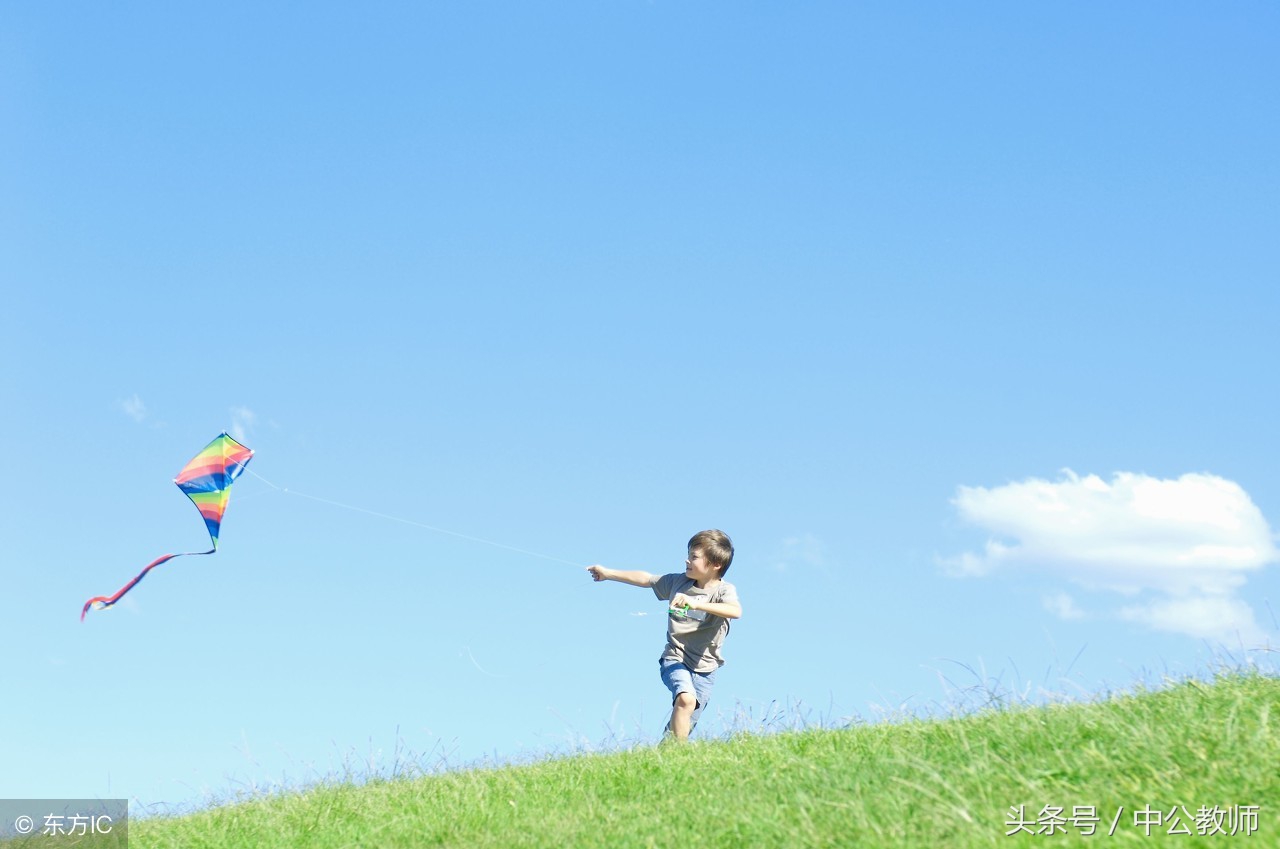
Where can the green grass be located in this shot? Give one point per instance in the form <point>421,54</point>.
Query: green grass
<point>917,782</point>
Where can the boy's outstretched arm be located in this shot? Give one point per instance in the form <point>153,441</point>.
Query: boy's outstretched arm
<point>635,578</point>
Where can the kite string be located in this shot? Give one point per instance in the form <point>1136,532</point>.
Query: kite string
<point>415,524</point>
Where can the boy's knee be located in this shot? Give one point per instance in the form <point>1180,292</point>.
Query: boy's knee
<point>686,701</point>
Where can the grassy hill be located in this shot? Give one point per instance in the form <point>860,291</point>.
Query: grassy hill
<point>1194,757</point>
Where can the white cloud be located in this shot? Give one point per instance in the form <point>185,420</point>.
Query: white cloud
<point>1063,606</point>
<point>802,552</point>
<point>242,419</point>
<point>134,408</point>
<point>1226,620</point>
<point>1190,541</point>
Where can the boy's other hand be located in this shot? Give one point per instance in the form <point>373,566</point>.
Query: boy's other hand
<point>599,573</point>
<point>680,600</point>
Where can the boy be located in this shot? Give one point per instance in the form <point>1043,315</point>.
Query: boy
<point>701,604</point>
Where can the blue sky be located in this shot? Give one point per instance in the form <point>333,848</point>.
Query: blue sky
<point>959,321</point>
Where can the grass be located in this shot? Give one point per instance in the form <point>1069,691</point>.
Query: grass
<point>940,782</point>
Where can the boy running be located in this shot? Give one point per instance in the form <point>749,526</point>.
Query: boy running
<point>701,605</point>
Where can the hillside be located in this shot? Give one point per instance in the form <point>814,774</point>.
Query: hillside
<point>1194,757</point>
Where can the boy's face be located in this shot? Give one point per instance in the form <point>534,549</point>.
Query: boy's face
<point>698,568</point>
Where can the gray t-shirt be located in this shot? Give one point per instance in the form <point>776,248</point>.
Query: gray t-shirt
<point>695,642</point>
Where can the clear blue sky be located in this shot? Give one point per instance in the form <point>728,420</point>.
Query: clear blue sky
<point>959,321</point>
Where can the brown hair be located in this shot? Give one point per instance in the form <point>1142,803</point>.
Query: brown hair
<point>715,546</point>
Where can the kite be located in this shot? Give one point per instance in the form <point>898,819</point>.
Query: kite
<point>207,482</point>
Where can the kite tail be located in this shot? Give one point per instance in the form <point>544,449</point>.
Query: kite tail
<point>103,602</point>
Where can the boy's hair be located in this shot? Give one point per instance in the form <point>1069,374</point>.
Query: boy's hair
<point>715,546</point>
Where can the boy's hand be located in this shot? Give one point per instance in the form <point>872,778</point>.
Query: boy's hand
<point>599,573</point>
<point>680,600</point>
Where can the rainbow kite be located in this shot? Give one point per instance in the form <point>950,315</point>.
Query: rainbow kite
<point>207,482</point>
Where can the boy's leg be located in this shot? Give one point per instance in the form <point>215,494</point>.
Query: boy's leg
<point>679,681</point>
<point>682,715</point>
<point>690,693</point>
<point>702,684</point>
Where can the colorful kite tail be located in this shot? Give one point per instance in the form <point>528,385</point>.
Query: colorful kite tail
<point>103,602</point>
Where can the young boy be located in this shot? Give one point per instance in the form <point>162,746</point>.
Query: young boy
<point>701,605</point>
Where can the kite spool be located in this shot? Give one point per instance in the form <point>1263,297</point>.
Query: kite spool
<point>686,613</point>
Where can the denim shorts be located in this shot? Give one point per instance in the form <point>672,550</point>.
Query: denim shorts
<point>681,679</point>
